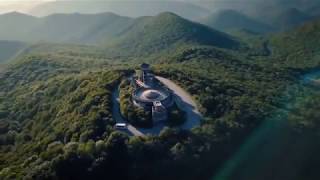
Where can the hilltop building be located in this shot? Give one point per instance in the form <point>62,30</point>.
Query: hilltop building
<point>150,96</point>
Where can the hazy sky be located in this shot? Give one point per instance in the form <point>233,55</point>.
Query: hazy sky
<point>19,2</point>
<point>246,5</point>
<point>18,5</point>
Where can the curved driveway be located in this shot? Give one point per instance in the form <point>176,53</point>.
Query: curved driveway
<point>183,99</point>
<point>118,117</point>
<point>185,102</point>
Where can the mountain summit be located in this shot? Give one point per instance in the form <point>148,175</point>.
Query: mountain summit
<point>166,30</point>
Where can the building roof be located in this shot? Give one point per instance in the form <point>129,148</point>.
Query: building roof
<point>151,94</point>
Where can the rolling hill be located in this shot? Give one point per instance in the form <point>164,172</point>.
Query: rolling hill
<point>233,20</point>
<point>166,31</point>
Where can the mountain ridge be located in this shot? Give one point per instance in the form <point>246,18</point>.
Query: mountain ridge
<point>127,8</point>
<point>228,19</point>
<point>291,18</point>
<point>73,28</point>
<point>167,30</point>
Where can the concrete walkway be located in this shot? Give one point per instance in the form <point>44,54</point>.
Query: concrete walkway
<point>183,99</point>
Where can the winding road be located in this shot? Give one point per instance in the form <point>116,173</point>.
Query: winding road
<point>118,117</point>
<point>183,99</point>
<point>185,102</point>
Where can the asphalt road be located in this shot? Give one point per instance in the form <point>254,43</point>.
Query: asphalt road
<point>118,117</point>
<point>183,99</point>
<point>185,102</point>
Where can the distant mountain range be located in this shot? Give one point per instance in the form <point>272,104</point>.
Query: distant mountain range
<point>258,7</point>
<point>93,22</point>
<point>302,39</point>
<point>160,31</point>
<point>230,20</point>
<point>121,35</point>
<point>133,8</point>
<point>287,19</point>
<point>75,28</point>
<point>144,35</point>
<point>283,20</point>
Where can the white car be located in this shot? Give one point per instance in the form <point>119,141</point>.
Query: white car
<point>121,126</point>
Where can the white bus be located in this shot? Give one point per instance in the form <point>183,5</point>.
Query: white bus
<point>121,126</point>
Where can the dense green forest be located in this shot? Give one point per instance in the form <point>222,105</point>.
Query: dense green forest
<point>55,102</point>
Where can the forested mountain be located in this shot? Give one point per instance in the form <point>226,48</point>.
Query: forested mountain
<point>126,8</point>
<point>167,31</point>
<point>56,101</point>
<point>108,28</point>
<point>16,26</point>
<point>233,20</point>
<point>80,28</point>
<point>268,21</point>
<point>76,28</point>
<point>159,32</point>
<point>299,47</point>
<point>290,18</point>
<point>260,8</point>
<point>116,34</point>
